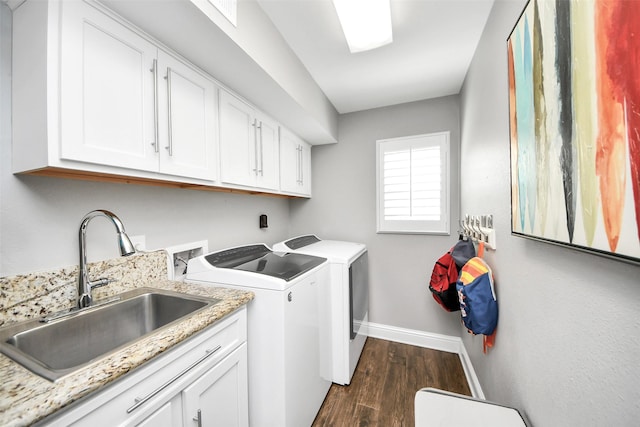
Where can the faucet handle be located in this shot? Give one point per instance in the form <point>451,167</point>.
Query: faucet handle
<point>98,283</point>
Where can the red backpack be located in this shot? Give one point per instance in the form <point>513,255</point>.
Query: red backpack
<point>443,283</point>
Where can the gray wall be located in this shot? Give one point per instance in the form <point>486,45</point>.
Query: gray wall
<point>567,342</point>
<point>39,217</point>
<point>343,207</point>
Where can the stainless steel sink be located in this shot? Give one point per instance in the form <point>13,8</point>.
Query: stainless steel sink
<point>59,345</point>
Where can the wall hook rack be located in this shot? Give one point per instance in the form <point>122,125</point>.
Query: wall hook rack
<point>479,228</point>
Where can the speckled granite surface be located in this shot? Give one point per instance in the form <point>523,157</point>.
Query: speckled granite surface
<point>25,397</point>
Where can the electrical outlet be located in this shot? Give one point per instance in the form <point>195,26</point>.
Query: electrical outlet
<point>139,242</point>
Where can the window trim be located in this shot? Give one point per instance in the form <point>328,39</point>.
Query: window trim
<point>442,227</point>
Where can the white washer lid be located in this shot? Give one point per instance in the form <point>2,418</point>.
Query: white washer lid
<point>437,408</point>
<point>333,250</point>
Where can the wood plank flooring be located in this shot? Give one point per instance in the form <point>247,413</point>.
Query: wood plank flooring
<point>383,388</point>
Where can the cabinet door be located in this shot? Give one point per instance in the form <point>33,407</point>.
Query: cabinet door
<point>268,154</point>
<point>238,148</point>
<point>187,120</point>
<point>295,164</point>
<point>169,415</point>
<point>107,91</point>
<point>289,163</point>
<point>220,396</point>
<point>305,169</point>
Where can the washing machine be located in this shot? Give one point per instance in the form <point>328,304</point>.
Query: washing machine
<point>289,364</point>
<point>349,294</point>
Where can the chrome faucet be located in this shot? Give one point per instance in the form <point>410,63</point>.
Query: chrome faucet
<point>126,248</point>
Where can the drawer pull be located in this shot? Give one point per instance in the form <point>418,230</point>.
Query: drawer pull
<point>198,418</point>
<point>142,401</point>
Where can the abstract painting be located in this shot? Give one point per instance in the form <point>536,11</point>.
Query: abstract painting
<point>574,111</point>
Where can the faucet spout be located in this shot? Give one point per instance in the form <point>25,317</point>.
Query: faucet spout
<point>124,243</point>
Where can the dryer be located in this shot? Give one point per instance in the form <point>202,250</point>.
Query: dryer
<point>288,361</point>
<point>349,295</point>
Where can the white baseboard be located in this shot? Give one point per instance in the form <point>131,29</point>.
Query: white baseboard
<point>429,340</point>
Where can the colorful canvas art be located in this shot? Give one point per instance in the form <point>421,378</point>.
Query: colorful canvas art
<point>574,97</point>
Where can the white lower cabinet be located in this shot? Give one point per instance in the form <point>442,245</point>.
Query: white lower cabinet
<point>169,415</point>
<point>219,397</point>
<point>200,382</point>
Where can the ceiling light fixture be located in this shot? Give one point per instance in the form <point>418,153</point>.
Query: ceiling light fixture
<point>366,23</point>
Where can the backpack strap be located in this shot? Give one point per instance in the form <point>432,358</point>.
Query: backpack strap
<point>488,341</point>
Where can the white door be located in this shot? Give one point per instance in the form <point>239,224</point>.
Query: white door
<point>187,120</point>
<point>106,84</point>
<point>220,396</point>
<point>238,148</point>
<point>268,154</point>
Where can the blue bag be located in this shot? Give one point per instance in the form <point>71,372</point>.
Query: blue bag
<point>477,297</point>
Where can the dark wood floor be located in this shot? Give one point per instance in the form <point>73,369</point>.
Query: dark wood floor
<point>384,385</point>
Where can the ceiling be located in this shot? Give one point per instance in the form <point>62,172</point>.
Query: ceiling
<point>433,45</point>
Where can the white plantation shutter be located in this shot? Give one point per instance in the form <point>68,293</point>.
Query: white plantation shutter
<point>413,184</point>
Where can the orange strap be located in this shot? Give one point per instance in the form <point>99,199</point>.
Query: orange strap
<point>489,341</point>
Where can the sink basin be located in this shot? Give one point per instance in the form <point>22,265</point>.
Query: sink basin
<point>57,346</point>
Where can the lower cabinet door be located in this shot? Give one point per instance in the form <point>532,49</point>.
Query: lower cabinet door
<point>169,415</point>
<point>220,396</point>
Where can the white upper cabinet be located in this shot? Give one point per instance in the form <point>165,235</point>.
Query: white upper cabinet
<point>126,103</point>
<point>237,141</point>
<point>295,162</point>
<point>268,152</point>
<point>248,145</point>
<point>106,93</point>
<point>122,101</point>
<point>94,97</point>
<point>186,120</point>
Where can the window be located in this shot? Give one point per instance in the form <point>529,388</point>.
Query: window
<point>413,184</point>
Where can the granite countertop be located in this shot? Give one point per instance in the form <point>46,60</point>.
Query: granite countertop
<point>26,397</point>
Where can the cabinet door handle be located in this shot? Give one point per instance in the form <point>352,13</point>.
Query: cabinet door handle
<point>142,401</point>
<point>170,146</point>
<point>298,164</point>
<point>154,70</point>
<point>198,418</point>
<point>255,145</point>
<point>300,178</point>
<point>301,168</point>
<point>261,169</point>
